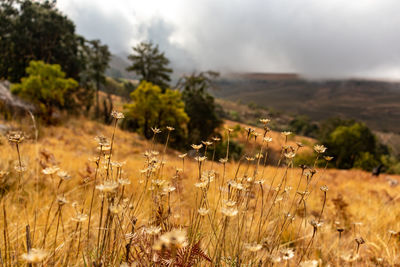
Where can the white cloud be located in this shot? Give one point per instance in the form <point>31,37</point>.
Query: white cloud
<point>313,37</point>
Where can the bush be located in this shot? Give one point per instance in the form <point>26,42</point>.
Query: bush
<point>48,89</point>
<point>152,108</point>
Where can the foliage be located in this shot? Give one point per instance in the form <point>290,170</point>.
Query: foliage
<point>199,105</point>
<point>47,87</point>
<point>302,125</point>
<point>353,146</point>
<point>235,150</point>
<point>153,108</point>
<point>150,64</point>
<point>33,30</point>
<point>97,58</point>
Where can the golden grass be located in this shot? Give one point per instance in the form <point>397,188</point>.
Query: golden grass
<point>260,234</point>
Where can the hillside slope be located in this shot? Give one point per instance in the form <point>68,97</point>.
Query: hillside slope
<point>376,103</point>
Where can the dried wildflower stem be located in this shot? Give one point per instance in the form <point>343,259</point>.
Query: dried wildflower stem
<point>323,206</point>
<point>92,197</point>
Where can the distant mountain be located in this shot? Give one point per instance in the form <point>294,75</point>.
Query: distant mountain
<point>117,68</point>
<point>377,103</point>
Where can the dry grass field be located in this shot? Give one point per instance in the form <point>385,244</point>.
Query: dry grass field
<point>71,199</point>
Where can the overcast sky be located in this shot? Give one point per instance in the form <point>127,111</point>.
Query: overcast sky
<point>316,38</point>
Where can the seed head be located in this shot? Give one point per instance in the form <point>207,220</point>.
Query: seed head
<point>287,253</point>
<point>169,128</point>
<point>61,200</point>
<point>116,209</point>
<point>268,139</point>
<point>152,230</point>
<point>216,139</point>
<point>265,121</point>
<point>34,255</point>
<point>203,211</point>
<point>229,212</point>
<point>207,143</point>
<point>174,239</point>
<point>309,263</point>
<point>252,247</point>
<point>223,160</point>
<point>182,155</point>
<point>197,147</point>
<point>16,137</point>
<point>360,240</point>
<point>117,115</point>
<point>107,187</point>
<point>319,149</point>
<point>50,170</point>
<point>286,133</point>
<point>80,217</point>
<point>290,155</point>
<point>155,130</point>
<point>63,175</point>
<point>200,159</point>
<point>324,188</point>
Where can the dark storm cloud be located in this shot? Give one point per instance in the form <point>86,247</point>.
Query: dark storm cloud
<point>316,38</point>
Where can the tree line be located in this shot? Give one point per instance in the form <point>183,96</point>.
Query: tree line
<point>59,71</point>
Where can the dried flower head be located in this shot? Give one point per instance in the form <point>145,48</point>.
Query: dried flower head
<point>202,184</point>
<point>328,158</point>
<point>200,159</point>
<point>290,155</point>
<point>102,141</point>
<point>107,187</point>
<point>203,211</point>
<point>267,139</point>
<point>309,263</point>
<point>197,147</point>
<point>117,115</point>
<point>207,143</point>
<point>155,130</point>
<point>287,253</point>
<point>50,170</point>
<point>63,175</point>
<point>61,200</point>
<point>16,137</point>
<point>34,255</point>
<point>80,217</point>
<point>169,128</point>
<point>229,203</point>
<point>249,158</point>
<point>216,139</point>
<point>152,230</point>
<point>182,155</point>
<point>286,133</point>
<point>229,212</point>
<point>349,257</point>
<point>319,149</point>
<point>299,144</point>
<point>223,160</point>
<point>324,188</point>
<point>116,209</point>
<point>265,121</point>
<point>174,239</point>
<point>252,247</point>
<point>359,240</point>
<point>315,224</point>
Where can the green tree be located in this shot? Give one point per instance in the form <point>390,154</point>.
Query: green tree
<point>33,30</point>
<point>47,88</point>
<point>353,145</point>
<point>99,58</point>
<point>150,64</point>
<point>153,108</point>
<point>199,105</point>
